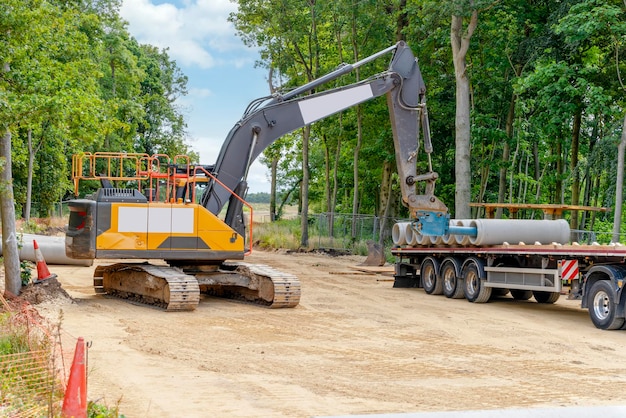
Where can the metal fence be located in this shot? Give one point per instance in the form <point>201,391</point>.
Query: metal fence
<point>344,231</point>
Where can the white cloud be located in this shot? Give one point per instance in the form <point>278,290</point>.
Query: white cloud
<point>200,93</point>
<point>193,30</point>
<point>222,78</point>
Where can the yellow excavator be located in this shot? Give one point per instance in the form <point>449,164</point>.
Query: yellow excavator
<point>190,221</point>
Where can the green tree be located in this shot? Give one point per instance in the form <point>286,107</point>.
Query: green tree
<point>594,31</point>
<point>162,129</point>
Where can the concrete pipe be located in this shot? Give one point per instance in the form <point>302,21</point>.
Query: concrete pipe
<point>463,240</point>
<point>52,250</point>
<point>411,234</point>
<point>414,238</point>
<point>435,239</point>
<point>440,239</point>
<point>448,239</point>
<point>398,234</point>
<point>421,240</point>
<point>514,231</point>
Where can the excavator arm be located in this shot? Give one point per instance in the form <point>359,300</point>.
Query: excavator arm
<point>268,119</point>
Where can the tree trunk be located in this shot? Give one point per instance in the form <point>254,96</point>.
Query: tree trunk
<point>460,44</point>
<point>587,177</point>
<point>273,168</point>
<point>573,222</point>
<point>619,184</point>
<point>485,169</point>
<point>10,252</point>
<point>385,187</point>
<point>558,185</point>
<point>506,153</point>
<point>355,172</point>
<point>402,21</point>
<point>304,213</point>
<point>327,185</point>
<point>331,229</point>
<point>536,161</point>
<point>384,201</point>
<point>359,138</point>
<point>29,176</point>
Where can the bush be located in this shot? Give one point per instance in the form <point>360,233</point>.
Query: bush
<point>98,410</point>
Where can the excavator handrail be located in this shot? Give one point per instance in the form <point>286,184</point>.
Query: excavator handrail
<point>148,173</point>
<point>113,171</point>
<point>143,168</point>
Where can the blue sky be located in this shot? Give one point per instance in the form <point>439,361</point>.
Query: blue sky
<point>220,68</point>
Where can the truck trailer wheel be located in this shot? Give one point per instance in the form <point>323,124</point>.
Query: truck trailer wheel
<point>475,289</point>
<point>546,297</point>
<point>452,285</point>
<point>603,310</point>
<point>430,281</point>
<point>519,294</point>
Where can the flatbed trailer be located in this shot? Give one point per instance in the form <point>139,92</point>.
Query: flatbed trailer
<point>595,274</point>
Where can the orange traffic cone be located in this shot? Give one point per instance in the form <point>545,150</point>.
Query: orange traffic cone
<point>42,269</point>
<point>75,399</point>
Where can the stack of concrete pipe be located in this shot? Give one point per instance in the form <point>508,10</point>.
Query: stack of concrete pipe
<point>52,250</point>
<point>487,232</point>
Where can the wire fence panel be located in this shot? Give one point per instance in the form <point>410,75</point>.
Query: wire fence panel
<point>344,231</point>
<point>33,365</point>
<point>28,384</point>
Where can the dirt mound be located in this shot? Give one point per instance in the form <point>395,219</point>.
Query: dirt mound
<point>46,291</point>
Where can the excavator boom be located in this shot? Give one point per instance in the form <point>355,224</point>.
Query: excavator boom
<point>266,121</point>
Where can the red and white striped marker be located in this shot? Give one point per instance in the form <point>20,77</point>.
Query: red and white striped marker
<point>569,269</point>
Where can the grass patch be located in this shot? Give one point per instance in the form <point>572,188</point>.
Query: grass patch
<point>280,234</point>
<point>287,234</point>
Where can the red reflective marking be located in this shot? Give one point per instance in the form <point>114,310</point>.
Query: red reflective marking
<point>569,269</point>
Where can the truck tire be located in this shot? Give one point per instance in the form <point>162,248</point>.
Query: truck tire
<point>451,284</point>
<point>519,294</point>
<point>431,282</point>
<point>475,289</point>
<point>605,313</point>
<point>499,292</point>
<point>546,297</point>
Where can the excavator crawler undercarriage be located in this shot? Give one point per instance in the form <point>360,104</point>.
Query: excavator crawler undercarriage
<point>178,289</point>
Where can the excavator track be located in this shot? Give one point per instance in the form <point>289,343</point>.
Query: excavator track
<point>179,288</point>
<point>161,286</point>
<point>253,283</point>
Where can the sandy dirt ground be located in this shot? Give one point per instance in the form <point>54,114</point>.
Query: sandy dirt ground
<point>354,345</point>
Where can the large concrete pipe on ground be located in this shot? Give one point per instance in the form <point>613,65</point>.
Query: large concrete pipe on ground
<point>52,249</point>
<point>514,231</point>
